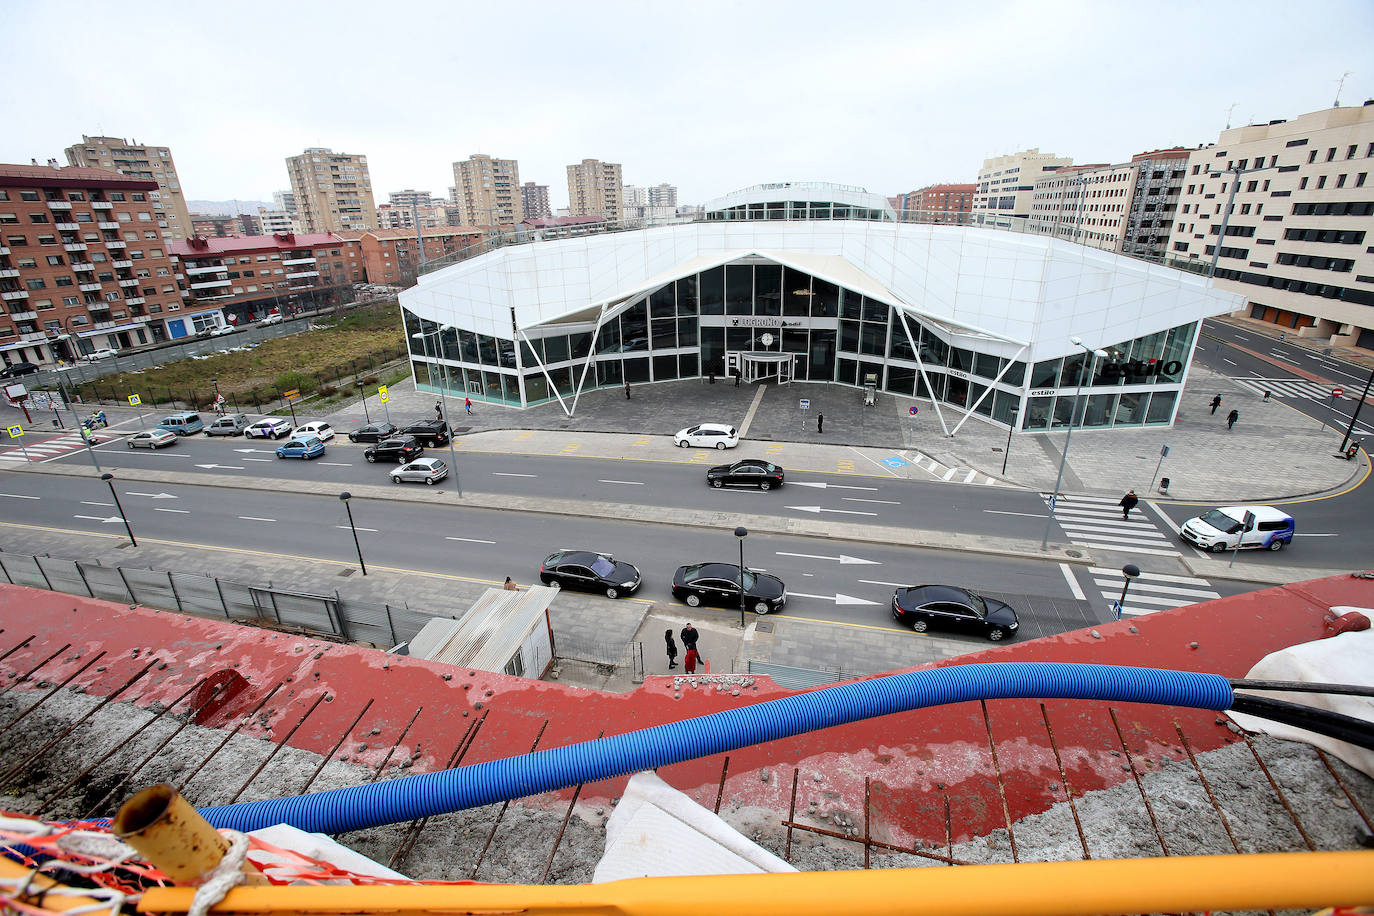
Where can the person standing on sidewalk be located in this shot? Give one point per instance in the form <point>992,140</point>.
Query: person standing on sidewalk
<point>1231,418</point>
<point>627,389</point>
<point>820,422</point>
<point>689,661</point>
<point>1128,502</point>
<point>439,411</point>
<point>672,649</point>
<point>688,637</point>
<point>1216,402</point>
<point>467,406</point>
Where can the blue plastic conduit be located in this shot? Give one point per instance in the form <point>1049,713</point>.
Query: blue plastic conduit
<point>428,794</point>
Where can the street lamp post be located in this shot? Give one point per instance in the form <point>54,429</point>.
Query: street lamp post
<point>1356,413</point>
<point>1130,571</point>
<point>1011,427</point>
<point>443,399</point>
<point>215,381</point>
<point>1073,412</point>
<point>741,532</point>
<point>345,496</point>
<point>1226,213</point>
<point>109,479</point>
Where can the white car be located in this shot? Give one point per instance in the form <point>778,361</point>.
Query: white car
<point>269,319</point>
<point>707,435</point>
<point>223,330</point>
<point>102,353</point>
<point>320,430</point>
<point>269,428</point>
<point>424,470</point>
<point>153,438</point>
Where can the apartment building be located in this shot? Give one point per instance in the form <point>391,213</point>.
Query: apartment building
<point>487,191</point>
<point>1006,186</point>
<point>272,222</point>
<point>410,198</point>
<point>139,161</point>
<point>83,263</point>
<point>1158,184</point>
<point>634,202</point>
<point>391,256</point>
<point>284,200</point>
<point>1296,202</point>
<point>249,278</point>
<point>937,203</point>
<point>1086,203</point>
<point>594,189</point>
<point>535,199</point>
<point>333,191</point>
<point>392,216</point>
<point>216,226</point>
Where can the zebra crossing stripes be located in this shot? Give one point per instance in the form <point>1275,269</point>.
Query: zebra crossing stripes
<point>944,472</point>
<point>1151,591</point>
<point>1095,521</point>
<point>48,448</point>
<point>1285,388</point>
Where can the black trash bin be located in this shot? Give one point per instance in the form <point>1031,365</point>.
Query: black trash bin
<point>1164,485</point>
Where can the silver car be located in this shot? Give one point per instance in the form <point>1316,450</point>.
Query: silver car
<point>428,470</point>
<point>228,425</point>
<point>153,438</point>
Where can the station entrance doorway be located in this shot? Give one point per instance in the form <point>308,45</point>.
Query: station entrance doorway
<point>762,365</point>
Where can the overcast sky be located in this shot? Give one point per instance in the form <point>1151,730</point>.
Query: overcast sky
<point>708,96</point>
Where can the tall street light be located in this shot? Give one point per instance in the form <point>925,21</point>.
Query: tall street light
<point>741,532</point>
<point>443,398</point>
<point>1129,571</point>
<point>1073,414</point>
<point>109,479</point>
<point>345,496</point>
<point>1011,428</point>
<point>1349,430</point>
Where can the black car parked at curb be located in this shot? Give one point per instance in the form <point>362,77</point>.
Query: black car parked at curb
<point>589,571</point>
<point>750,472</point>
<point>400,449</point>
<point>429,432</point>
<point>953,608</point>
<point>372,432</point>
<point>718,584</point>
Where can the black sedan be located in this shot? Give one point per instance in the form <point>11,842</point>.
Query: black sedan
<point>372,432</point>
<point>401,449</point>
<point>751,472</point>
<point>718,584</point>
<point>589,571</point>
<point>954,608</point>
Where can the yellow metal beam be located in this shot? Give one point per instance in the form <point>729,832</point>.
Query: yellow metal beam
<point>1272,881</point>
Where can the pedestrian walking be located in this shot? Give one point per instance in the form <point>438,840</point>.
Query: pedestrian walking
<point>688,637</point>
<point>467,406</point>
<point>672,648</point>
<point>1128,502</point>
<point>1266,395</point>
<point>1216,402</point>
<point>689,661</point>
<point>439,411</point>
<point>820,422</point>
<point>627,389</point>
<point>1231,418</point>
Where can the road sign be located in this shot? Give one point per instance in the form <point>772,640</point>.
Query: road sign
<point>292,394</point>
<point>1337,392</point>
<point>913,410</point>
<point>134,400</point>
<point>804,403</point>
<point>16,431</point>
<point>383,396</point>
<point>382,390</point>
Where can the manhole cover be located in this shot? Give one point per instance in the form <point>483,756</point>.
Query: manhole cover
<point>765,626</point>
<point>1072,553</point>
<point>346,572</point>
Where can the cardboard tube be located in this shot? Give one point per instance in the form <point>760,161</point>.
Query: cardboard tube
<point>171,835</point>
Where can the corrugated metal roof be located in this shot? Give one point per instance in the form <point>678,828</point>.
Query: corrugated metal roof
<point>489,634</point>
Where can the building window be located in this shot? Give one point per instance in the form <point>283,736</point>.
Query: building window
<point>38,217</point>
<point>1331,154</point>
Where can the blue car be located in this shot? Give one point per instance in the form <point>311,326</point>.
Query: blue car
<point>306,447</point>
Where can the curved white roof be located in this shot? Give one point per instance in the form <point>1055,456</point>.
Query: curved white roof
<point>808,191</point>
<point>988,289</point>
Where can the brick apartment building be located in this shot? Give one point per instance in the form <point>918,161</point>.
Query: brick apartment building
<point>138,160</point>
<point>217,226</point>
<point>391,255</point>
<point>937,203</point>
<point>255,276</point>
<point>83,264</point>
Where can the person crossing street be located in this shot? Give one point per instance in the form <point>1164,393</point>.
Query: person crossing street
<point>1128,502</point>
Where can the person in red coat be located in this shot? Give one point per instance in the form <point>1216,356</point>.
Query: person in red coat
<point>689,661</point>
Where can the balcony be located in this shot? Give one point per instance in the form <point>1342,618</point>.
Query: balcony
<point>68,227</point>
<point>17,294</point>
<point>82,265</point>
<point>4,250</point>
<point>89,287</point>
<point>101,205</point>
<point>304,273</point>
<point>186,294</point>
<point>121,264</point>
<point>74,246</point>
<point>294,261</point>
<point>9,272</point>
<point>107,225</point>
<point>136,300</point>
<point>112,243</point>
<point>213,269</point>
<point>212,284</point>
<point>130,282</point>
<point>59,205</point>
<point>23,316</point>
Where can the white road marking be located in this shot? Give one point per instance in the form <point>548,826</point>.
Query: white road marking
<point>470,540</point>
<point>1225,360</point>
<point>1024,514</point>
<point>1313,534</point>
<point>336,464</point>
<point>507,474</point>
<point>96,518</point>
<point>151,495</point>
<point>860,499</point>
<point>628,483</point>
<point>1073,582</point>
<point>17,496</point>
<point>879,582</point>
<point>179,511</point>
<point>87,502</point>
<point>844,559</point>
<point>257,459</point>
<point>358,527</point>
<point>255,518</point>
<point>838,598</point>
<point>1147,576</point>
<point>816,510</point>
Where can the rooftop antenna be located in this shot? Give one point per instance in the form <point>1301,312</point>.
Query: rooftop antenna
<point>1228,114</point>
<point>1339,86</point>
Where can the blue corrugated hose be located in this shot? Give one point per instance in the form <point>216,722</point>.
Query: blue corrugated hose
<point>428,794</point>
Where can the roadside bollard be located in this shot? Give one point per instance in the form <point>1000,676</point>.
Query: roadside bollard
<point>1164,485</point>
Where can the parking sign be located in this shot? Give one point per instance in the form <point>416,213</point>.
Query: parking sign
<point>804,403</point>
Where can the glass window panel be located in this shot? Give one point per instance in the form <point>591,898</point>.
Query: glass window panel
<point>961,359</point>
<point>493,389</point>
<point>739,339</point>
<point>983,406</point>
<point>796,296</point>
<point>768,289</point>
<point>687,332</point>
<point>987,366</point>
<point>608,337</point>
<point>1176,351</point>
<point>849,336</point>
<point>506,350</point>
<point>870,373</point>
<point>536,388</point>
<point>713,291</point>
<point>825,303</point>
<point>739,289</point>
<point>687,366</point>
<point>665,368</point>
<point>665,333</point>
<point>556,348</point>
<point>956,391</point>
<point>448,344</point>
<point>873,310</point>
<point>581,344</point>
<point>1002,406</point>
<point>873,340</point>
<point>846,370</point>
<point>634,328</point>
<point>467,342</point>
<point>1037,413</point>
<point>486,345</point>
<point>1098,410</point>
<point>661,303</point>
<point>1072,370</point>
<point>637,370</point>
<point>1130,409</point>
<point>1015,375</point>
<point>822,360</point>
<point>609,372</point>
<point>687,295</point>
<point>1063,411</point>
<point>851,304</point>
<point>898,346</point>
<point>713,350</point>
<point>527,355</point>
<point>901,380</point>
<point>1162,405</point>
<point>934,351</point>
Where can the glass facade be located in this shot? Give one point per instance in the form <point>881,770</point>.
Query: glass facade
<point>689,328</point>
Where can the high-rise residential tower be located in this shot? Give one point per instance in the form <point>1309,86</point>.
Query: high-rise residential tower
<point>333,191</point>
<point>488,191</point>
<point>594,189</point>
<point>139,161</point>
<point>535,198</point>
<point>1006,186</point>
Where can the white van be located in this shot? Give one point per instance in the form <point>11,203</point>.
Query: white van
<point>1218,529</point>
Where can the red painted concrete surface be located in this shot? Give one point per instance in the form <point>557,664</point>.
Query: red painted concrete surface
<point>915,760</point>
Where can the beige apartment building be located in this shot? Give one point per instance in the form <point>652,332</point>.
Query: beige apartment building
<point>1006,186</point>
<point>535,198</point>
<point>139,161</point>
<point>1087,204</point>
<point>333,191</point>
<point>1300,225</point>
<point>594,189</point>
<point>487,191</point>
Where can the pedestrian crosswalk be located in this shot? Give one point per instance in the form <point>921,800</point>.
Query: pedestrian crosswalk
<point>942,471</point>
<point>1285,388</point>
<point>41,450</point>
<point>1150,592</point>
<point>1095,521</point>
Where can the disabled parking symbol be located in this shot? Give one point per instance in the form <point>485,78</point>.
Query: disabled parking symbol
<point>895,462</point>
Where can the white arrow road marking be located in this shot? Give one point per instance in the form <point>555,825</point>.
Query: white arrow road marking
<point>832,486</point>
<point>179,511</point>
<point>151,495</point>
<point>113,519</point>
<point>469,540</point>
<point>227,467</point>
<point>628,483</point>
<point>359,528</point>
<point>508,474</point>
<point>860,499</point>
<point>17,496</point>
<point>837,598</point>
<point>818,509</point>
<point>844,560</point>
<point>254,518</point>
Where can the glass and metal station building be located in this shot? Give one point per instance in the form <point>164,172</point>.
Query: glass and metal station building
<point>973,321</point>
